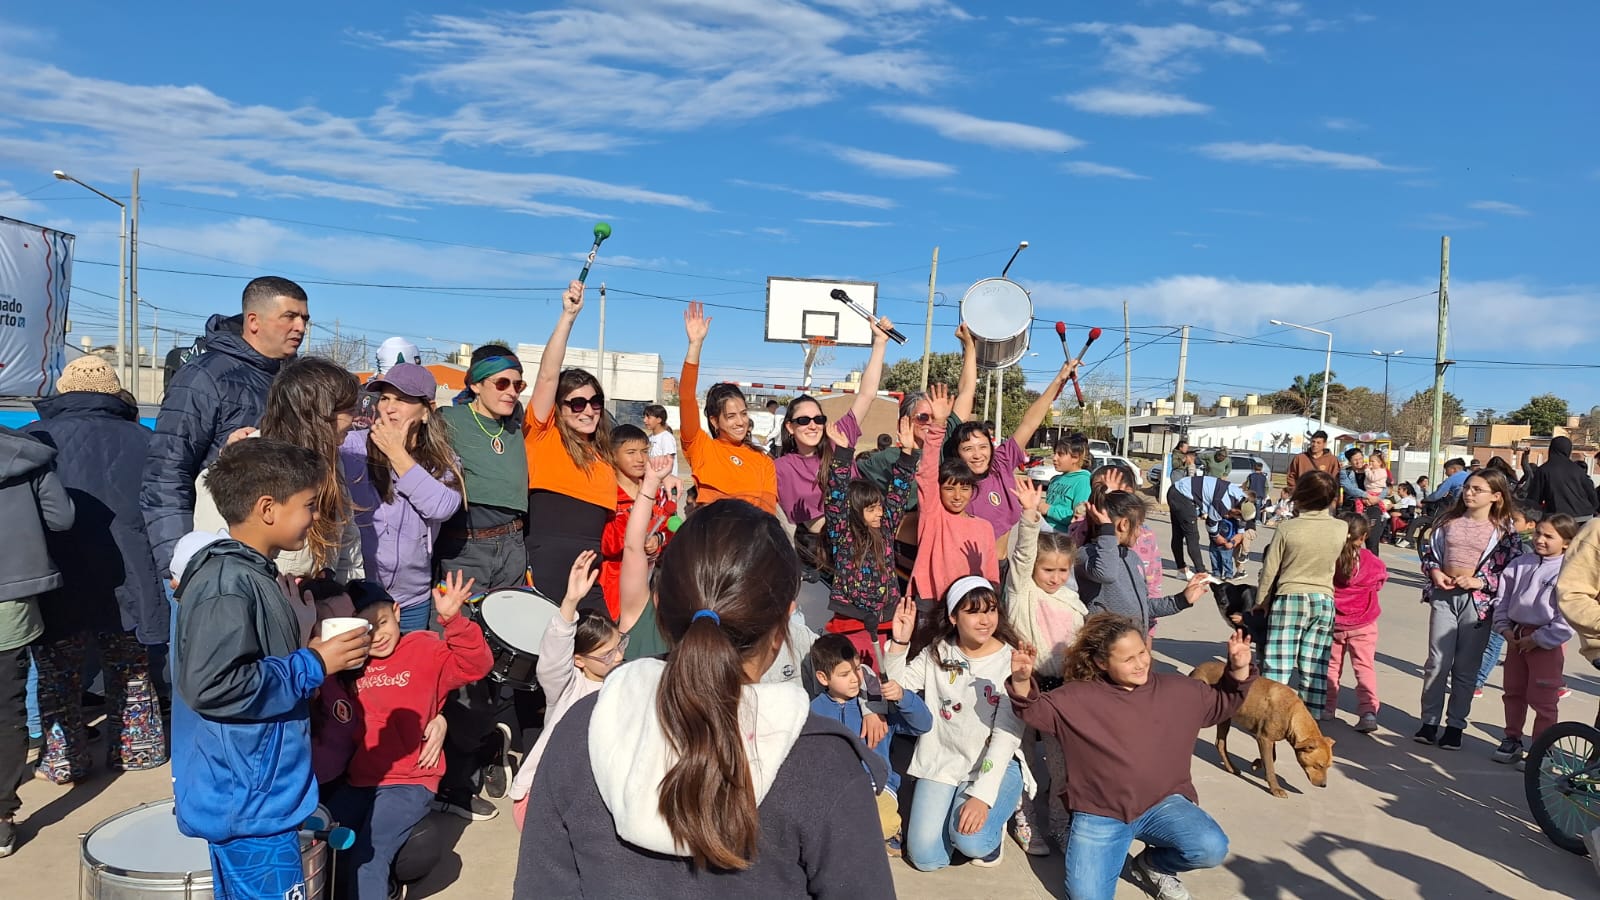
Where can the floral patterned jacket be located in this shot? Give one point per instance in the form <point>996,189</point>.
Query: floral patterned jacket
<point>866,590</point>
<point>1503,548</point>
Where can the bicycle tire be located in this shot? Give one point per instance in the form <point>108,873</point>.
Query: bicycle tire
<point>1564,816</point>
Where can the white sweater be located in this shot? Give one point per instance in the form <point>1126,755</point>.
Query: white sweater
<point>563,683</point>
<point>975,732</point>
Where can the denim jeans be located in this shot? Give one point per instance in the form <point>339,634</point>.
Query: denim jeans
<point>417,617</point>
<point>35,722</point>
<point>1178,837</point>
<point>1491,655</point>
<point>382,818</point>
<point>1222,561</point>
<point>931,834</point>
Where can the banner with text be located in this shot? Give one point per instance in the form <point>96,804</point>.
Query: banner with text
<point>35,280</point>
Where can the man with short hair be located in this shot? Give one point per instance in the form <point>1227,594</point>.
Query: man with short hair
<point>1455,478</point>
<point>1195,500</point>
<point>1315,458</point>
<point>214,393</point>
<point>1218,463</point>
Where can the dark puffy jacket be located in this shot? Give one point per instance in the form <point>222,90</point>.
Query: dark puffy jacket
<point>1562,486</point>
<point>109,580</point>
<point>215,393</point>
<point>32,500</point>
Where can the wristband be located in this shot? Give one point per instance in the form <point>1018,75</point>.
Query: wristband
<point>894,640</point>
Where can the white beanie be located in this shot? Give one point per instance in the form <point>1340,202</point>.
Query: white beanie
<point>397,350</point>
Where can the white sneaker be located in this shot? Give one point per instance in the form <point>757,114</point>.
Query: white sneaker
<point>1159,885</point>
<point>1188,574</point>
<point>993,859</point>
<point>1368,723</point>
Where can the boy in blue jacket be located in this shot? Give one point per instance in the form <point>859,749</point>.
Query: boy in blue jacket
<point>241,733</point>
<point>838,671</point>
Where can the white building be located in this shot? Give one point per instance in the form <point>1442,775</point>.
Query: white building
<point>627,376</point>
<point>1271,432</point>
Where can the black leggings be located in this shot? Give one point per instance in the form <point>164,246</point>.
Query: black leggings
<point>1185,530</point>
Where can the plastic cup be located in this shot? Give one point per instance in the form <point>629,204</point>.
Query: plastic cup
<point>333,627</point>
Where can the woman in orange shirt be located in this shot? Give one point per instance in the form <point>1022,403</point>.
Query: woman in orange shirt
<point>724,462</point>
<point>572,488</point>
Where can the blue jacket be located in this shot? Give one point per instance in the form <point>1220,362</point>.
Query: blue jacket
<point>215,393</point>
<point>1449,488</point>
<point>910,717</point>
<point>100,454</point>
<point>241,713</point>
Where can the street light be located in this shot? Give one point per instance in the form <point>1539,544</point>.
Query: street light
<point>1327,365</point>
<point>1021,246</point>
<point>122,281</point>
<point>1386,358</point>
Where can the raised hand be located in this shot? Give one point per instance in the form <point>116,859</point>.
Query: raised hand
<point>1239,649</point>
<point>941,401</point>
<point>580,579</point>
<point>908,434</point>
<point>655,475</point>
<point>880,330</point>
<point>836,435</point>
<point>447,600</point>
<point>905,620</point>
<point>1028,494</point>
<point>696,324</point>
<point>572,299</point>
<point>1114,480</point>
<point>964,335</point>
<point>1022,662</point>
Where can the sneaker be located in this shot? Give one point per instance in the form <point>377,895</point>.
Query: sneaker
<point>1476,693</point>
<point>1187,574</point>
<point>1427,734</point>
<point>1509,751</point>
<point>1036,845</point>
<point>1450,740</point>
<point>497,774</point>
<point>1159,885</point>
<point>1367,724</point>
<point>1327,716</point>
<point>994,857</point>
<point>473,809</point>
<point>8,836</point>
<point>397,891</point>
<point>1564,693</point>
<point>1522,764</point>
<point>894,847</point>
<point>1030,840</point>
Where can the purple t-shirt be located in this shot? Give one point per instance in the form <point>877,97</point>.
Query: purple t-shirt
<point>799,492</point>
<point>995,500</point>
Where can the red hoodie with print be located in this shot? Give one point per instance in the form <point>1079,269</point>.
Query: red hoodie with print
<point>398,696</point>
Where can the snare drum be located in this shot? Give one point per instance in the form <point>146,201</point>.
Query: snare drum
<point>999,313</point>
<point>138,854</point>
<point>514,621</point>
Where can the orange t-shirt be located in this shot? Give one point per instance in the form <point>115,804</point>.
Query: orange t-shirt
<point>721,469</point>
<point>550,468</point>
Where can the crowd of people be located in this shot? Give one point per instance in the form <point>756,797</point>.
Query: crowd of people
<point>291,574</point>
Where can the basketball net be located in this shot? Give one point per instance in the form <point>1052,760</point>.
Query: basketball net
<point>818,350</point>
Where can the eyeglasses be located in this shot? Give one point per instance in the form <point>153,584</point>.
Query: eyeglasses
<point>612,657</point>
<point>803,421</point>
<point>501,384</point>
<point>579,404</point>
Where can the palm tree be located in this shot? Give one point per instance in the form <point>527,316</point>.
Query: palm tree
<point>1306,391</point>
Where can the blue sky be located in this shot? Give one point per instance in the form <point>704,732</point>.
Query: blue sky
<point>1214,163</point>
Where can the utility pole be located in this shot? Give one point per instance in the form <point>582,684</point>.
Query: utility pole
<point>1183,366</point>
<point>602,360</point>
<point>927,334</point>
<point>1127,382</point>
<point>155,352</point>
<point>133,280</point>
<point>999,401</point>
<point>1439,362</point>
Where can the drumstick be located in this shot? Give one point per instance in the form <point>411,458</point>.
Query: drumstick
<point>1094,335</point>
<point>1061,332</point>
<point>601,232</point>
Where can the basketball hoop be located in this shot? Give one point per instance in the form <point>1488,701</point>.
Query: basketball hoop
<point>818,350</point>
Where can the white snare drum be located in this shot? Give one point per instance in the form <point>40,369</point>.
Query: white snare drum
<point>514,621</point>
<point>999,314</point>
<point>138,854</point>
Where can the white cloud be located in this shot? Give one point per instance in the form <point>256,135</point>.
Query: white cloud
<point>893,166</point>
<point>1163,53</point>
<point>869,201</point>
<point>847,223</point>
<point>1096,170</point>
<point>1114,102</point>
<point>1477,320</point>
<point>1337,123</point>
<point>15,206</point>
<point>959,126</point>
<point>1288,154</point>
<point>1498,206</point>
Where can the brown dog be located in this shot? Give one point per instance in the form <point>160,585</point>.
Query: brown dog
<point>1273,712</point>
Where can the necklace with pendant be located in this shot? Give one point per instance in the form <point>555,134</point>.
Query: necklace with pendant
<point>495,443</point>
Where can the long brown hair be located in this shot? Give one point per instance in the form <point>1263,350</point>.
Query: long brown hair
<point>1354,539</point>
<point>429,445</point>
<point>942,631</point>
<point>734,560</point>
<point>585,450</point>
<point>1092,648</point>
<point>788,444</point>
<point>1499,513</point>
<point>303,402</point>
<point>871,553</point>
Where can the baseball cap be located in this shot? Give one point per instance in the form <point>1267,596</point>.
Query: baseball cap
<point>409,379</point>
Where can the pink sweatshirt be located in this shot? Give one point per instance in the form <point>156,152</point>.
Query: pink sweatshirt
<point>948,546</point>
<point>1355,602</point>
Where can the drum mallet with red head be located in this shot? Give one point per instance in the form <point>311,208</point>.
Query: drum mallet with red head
<point>1094,335</point>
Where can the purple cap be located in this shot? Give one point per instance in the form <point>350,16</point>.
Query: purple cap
<point>409,379</point>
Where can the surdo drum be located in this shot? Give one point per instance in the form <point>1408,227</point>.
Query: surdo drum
<point>999,314</point>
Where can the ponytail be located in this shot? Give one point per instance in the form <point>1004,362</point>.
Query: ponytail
<point>725,584</point>
<point>1355,537</point>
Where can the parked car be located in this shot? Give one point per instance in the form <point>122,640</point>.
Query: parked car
<point>1100,449</point>
<point>1240,465</point>
<point>1044,471</point>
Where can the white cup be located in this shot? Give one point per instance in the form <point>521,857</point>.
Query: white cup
<point>338,625</point>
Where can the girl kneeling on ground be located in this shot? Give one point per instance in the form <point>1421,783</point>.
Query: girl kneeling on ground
<point>1128,735</point>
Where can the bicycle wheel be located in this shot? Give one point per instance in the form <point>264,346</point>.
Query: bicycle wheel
<point>1562,782</point>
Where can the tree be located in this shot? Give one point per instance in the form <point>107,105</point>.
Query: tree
<point>1304,395</point>
<point>1486,416</point>
<point>352,353</point>
<point>1544,413</point>
<point>1413,421</point>
<point>1358,409</point>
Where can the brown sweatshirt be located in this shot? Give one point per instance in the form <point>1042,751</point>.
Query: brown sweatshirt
<point>1128,750</point>
<point>1304,462</point>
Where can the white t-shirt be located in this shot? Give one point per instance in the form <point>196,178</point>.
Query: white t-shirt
<point>663,444</point>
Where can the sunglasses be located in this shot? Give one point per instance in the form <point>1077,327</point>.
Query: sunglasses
<point>923,418</point>
<point>579,404</point>
<point>501,384</point>
<point>803,421</point>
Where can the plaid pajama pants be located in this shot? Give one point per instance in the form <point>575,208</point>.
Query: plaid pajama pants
<point>1299,641</point>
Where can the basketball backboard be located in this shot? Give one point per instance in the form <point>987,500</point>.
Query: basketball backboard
<point>799,309</point>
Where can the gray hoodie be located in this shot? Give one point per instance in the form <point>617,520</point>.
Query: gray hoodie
<point>32,500</point>
<point>1109,580</point>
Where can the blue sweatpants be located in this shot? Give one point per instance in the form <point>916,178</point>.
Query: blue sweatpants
<point>259,868</point>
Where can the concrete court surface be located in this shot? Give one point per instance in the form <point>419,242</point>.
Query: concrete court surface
<point>1397,820</point>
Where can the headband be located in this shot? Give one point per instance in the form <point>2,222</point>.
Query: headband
<point>964,586</point>
<point>487,366</point>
